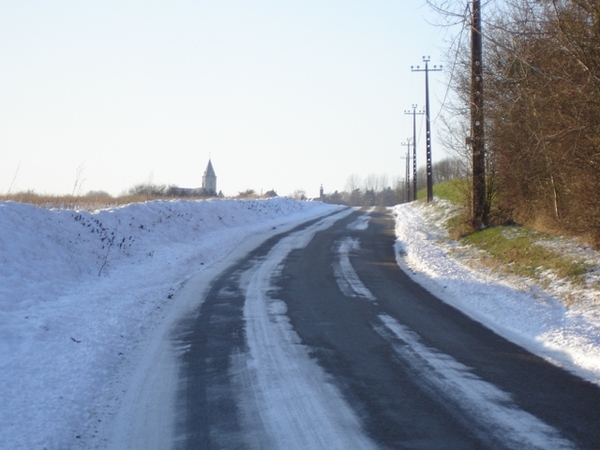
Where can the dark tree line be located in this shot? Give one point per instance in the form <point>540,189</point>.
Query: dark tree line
<point>366,197</point>
<point>542,106</point>
<point>377,191</point>
<point>162,190</point>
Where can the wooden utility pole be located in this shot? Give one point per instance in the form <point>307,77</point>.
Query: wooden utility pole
<point>414,114</point>
<point>407,176</point>
<point>480,207</point>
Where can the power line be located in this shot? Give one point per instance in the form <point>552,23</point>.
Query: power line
<point>427,69</point>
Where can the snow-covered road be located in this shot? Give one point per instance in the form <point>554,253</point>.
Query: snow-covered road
<point>293,350</point>
<point>288,394</point>
<point>490,411</point>
<point>80,352</point>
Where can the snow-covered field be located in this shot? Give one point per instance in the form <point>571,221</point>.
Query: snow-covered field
<point>83,297</point>
<point>82,294</point>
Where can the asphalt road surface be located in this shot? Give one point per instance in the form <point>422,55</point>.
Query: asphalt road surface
<point>317,340</point>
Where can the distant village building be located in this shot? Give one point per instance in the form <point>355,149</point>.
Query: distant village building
<point>209,179</point>
<point>208,189</point>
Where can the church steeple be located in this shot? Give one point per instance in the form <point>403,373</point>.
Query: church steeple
<point>209,179</point>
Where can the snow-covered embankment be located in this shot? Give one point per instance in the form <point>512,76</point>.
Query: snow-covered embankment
<point>513,308</point>
<point>80,293</point>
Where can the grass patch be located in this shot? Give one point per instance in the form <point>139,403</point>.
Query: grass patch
<point>455,191</point>
<point>459,226</point>
<point>521,251</point>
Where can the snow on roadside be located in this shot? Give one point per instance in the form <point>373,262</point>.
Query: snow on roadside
<point>519,311</point>
<point>79,293</point>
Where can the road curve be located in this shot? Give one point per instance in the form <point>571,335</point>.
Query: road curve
<point>318,340</point>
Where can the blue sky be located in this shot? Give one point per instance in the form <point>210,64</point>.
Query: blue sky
<point>282,95</point>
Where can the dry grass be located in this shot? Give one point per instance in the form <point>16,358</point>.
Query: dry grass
<point>88,203</point>
<point>522,251</point>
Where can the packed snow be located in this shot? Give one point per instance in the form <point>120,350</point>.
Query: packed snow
<point>279,373</point>
<point>515,308</point>
<point>504,424</point>
<point>85,297</point>
<point>347,279</point>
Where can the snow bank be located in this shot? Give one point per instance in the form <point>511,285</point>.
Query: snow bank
<point>525,314</point>
<point>80,291</point>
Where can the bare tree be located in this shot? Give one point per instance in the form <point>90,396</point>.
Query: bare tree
<point>78,180</point>
<point>353,182</point>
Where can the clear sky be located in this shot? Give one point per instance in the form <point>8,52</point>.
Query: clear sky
<point>283,95</point>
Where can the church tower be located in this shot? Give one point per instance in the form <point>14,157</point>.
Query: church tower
<point>209,179</point>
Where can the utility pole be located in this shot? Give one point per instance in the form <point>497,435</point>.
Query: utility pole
<point>426,60</point>
<point>414,114</point>
<point>407,177</point>
<point>480,207</point>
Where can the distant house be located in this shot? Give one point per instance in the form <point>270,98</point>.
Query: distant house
<point>209,180</point>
